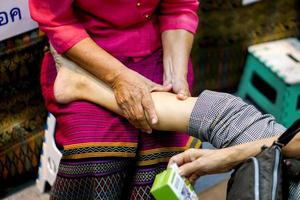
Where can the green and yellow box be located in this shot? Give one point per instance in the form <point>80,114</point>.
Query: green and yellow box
<point>169,185</point>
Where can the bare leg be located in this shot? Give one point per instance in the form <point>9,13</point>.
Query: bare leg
<point>74,83</point>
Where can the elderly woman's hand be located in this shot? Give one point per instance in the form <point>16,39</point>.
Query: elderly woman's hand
<point>177,80</point>
<point>176,47</point>
<point>132,93</point>
<point>194,163</point>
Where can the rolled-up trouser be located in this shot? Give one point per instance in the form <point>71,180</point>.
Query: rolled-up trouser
<point>226,120</point>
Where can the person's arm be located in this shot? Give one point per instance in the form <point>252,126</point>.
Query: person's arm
<point>67,35</point>
<point>177,46</point>
<point>178,22</point>
<point>197,162</point>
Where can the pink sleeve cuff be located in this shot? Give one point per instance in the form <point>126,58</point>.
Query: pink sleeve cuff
<point>186,22</point>
<point>65,37</point>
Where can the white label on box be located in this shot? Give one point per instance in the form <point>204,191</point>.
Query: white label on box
<point>246,2</point>
<point>14,18</point>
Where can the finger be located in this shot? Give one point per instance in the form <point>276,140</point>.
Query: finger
<point>189,168</point>
<point>167,81</point>
<point>132,121</point>
<point>178,159</point>
<point>137,125</point>
<point>174,159</point>
<point>185,157</point>
<point>128,112</point>
<point>125,112</point>
<point>193,177</point>
<point>141,118</point>
<point>183,94</point>
<point>121,102</point>
<point>168,84</point>
<point>141,126</point>
<point>148,105</point>
<point>160,88</point>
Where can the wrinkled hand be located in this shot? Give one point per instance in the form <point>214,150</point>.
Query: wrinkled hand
<point>194,163</point>
<point>177,81</point>
<point>132,93</point>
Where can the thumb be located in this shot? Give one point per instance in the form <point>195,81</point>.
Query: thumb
<point>181,88</point>
<point>160,88</point>
<point>194,177</point>
<point>167,81</point>
<point>183,94</point>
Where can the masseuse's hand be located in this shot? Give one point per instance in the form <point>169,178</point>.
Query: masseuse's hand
<point>176,79</point>
<point>177,46</point>
<point>132,93</point>
<point>194,163</point>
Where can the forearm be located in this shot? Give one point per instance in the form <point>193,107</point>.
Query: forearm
<point>197,162</point>
<point>177,46</point>
<point>240,153</point>
<point>96,60</point>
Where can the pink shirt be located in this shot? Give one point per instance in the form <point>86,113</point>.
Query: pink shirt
<point>121,27</point>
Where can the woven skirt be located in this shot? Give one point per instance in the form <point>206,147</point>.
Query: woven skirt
<point>105,157</point>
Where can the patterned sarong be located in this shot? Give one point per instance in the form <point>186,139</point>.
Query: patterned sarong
<point>104,157</point>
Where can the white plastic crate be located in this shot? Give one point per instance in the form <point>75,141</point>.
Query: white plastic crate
<point>50,157</point>
<point>282,57</point>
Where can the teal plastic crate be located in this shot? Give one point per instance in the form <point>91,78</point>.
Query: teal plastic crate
<point>271,79</point>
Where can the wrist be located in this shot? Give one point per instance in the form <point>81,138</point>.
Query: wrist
<point>114,75</point>
<point>242,152</point>
<point>234,156</point>
<point>180,76</point>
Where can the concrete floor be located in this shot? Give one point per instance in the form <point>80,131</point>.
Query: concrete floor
<point>27,191</point>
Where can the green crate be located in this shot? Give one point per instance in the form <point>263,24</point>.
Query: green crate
<point>271,79</point>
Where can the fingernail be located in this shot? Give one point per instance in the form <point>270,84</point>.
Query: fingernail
<point>181,95</point>
<point>154,120</point>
